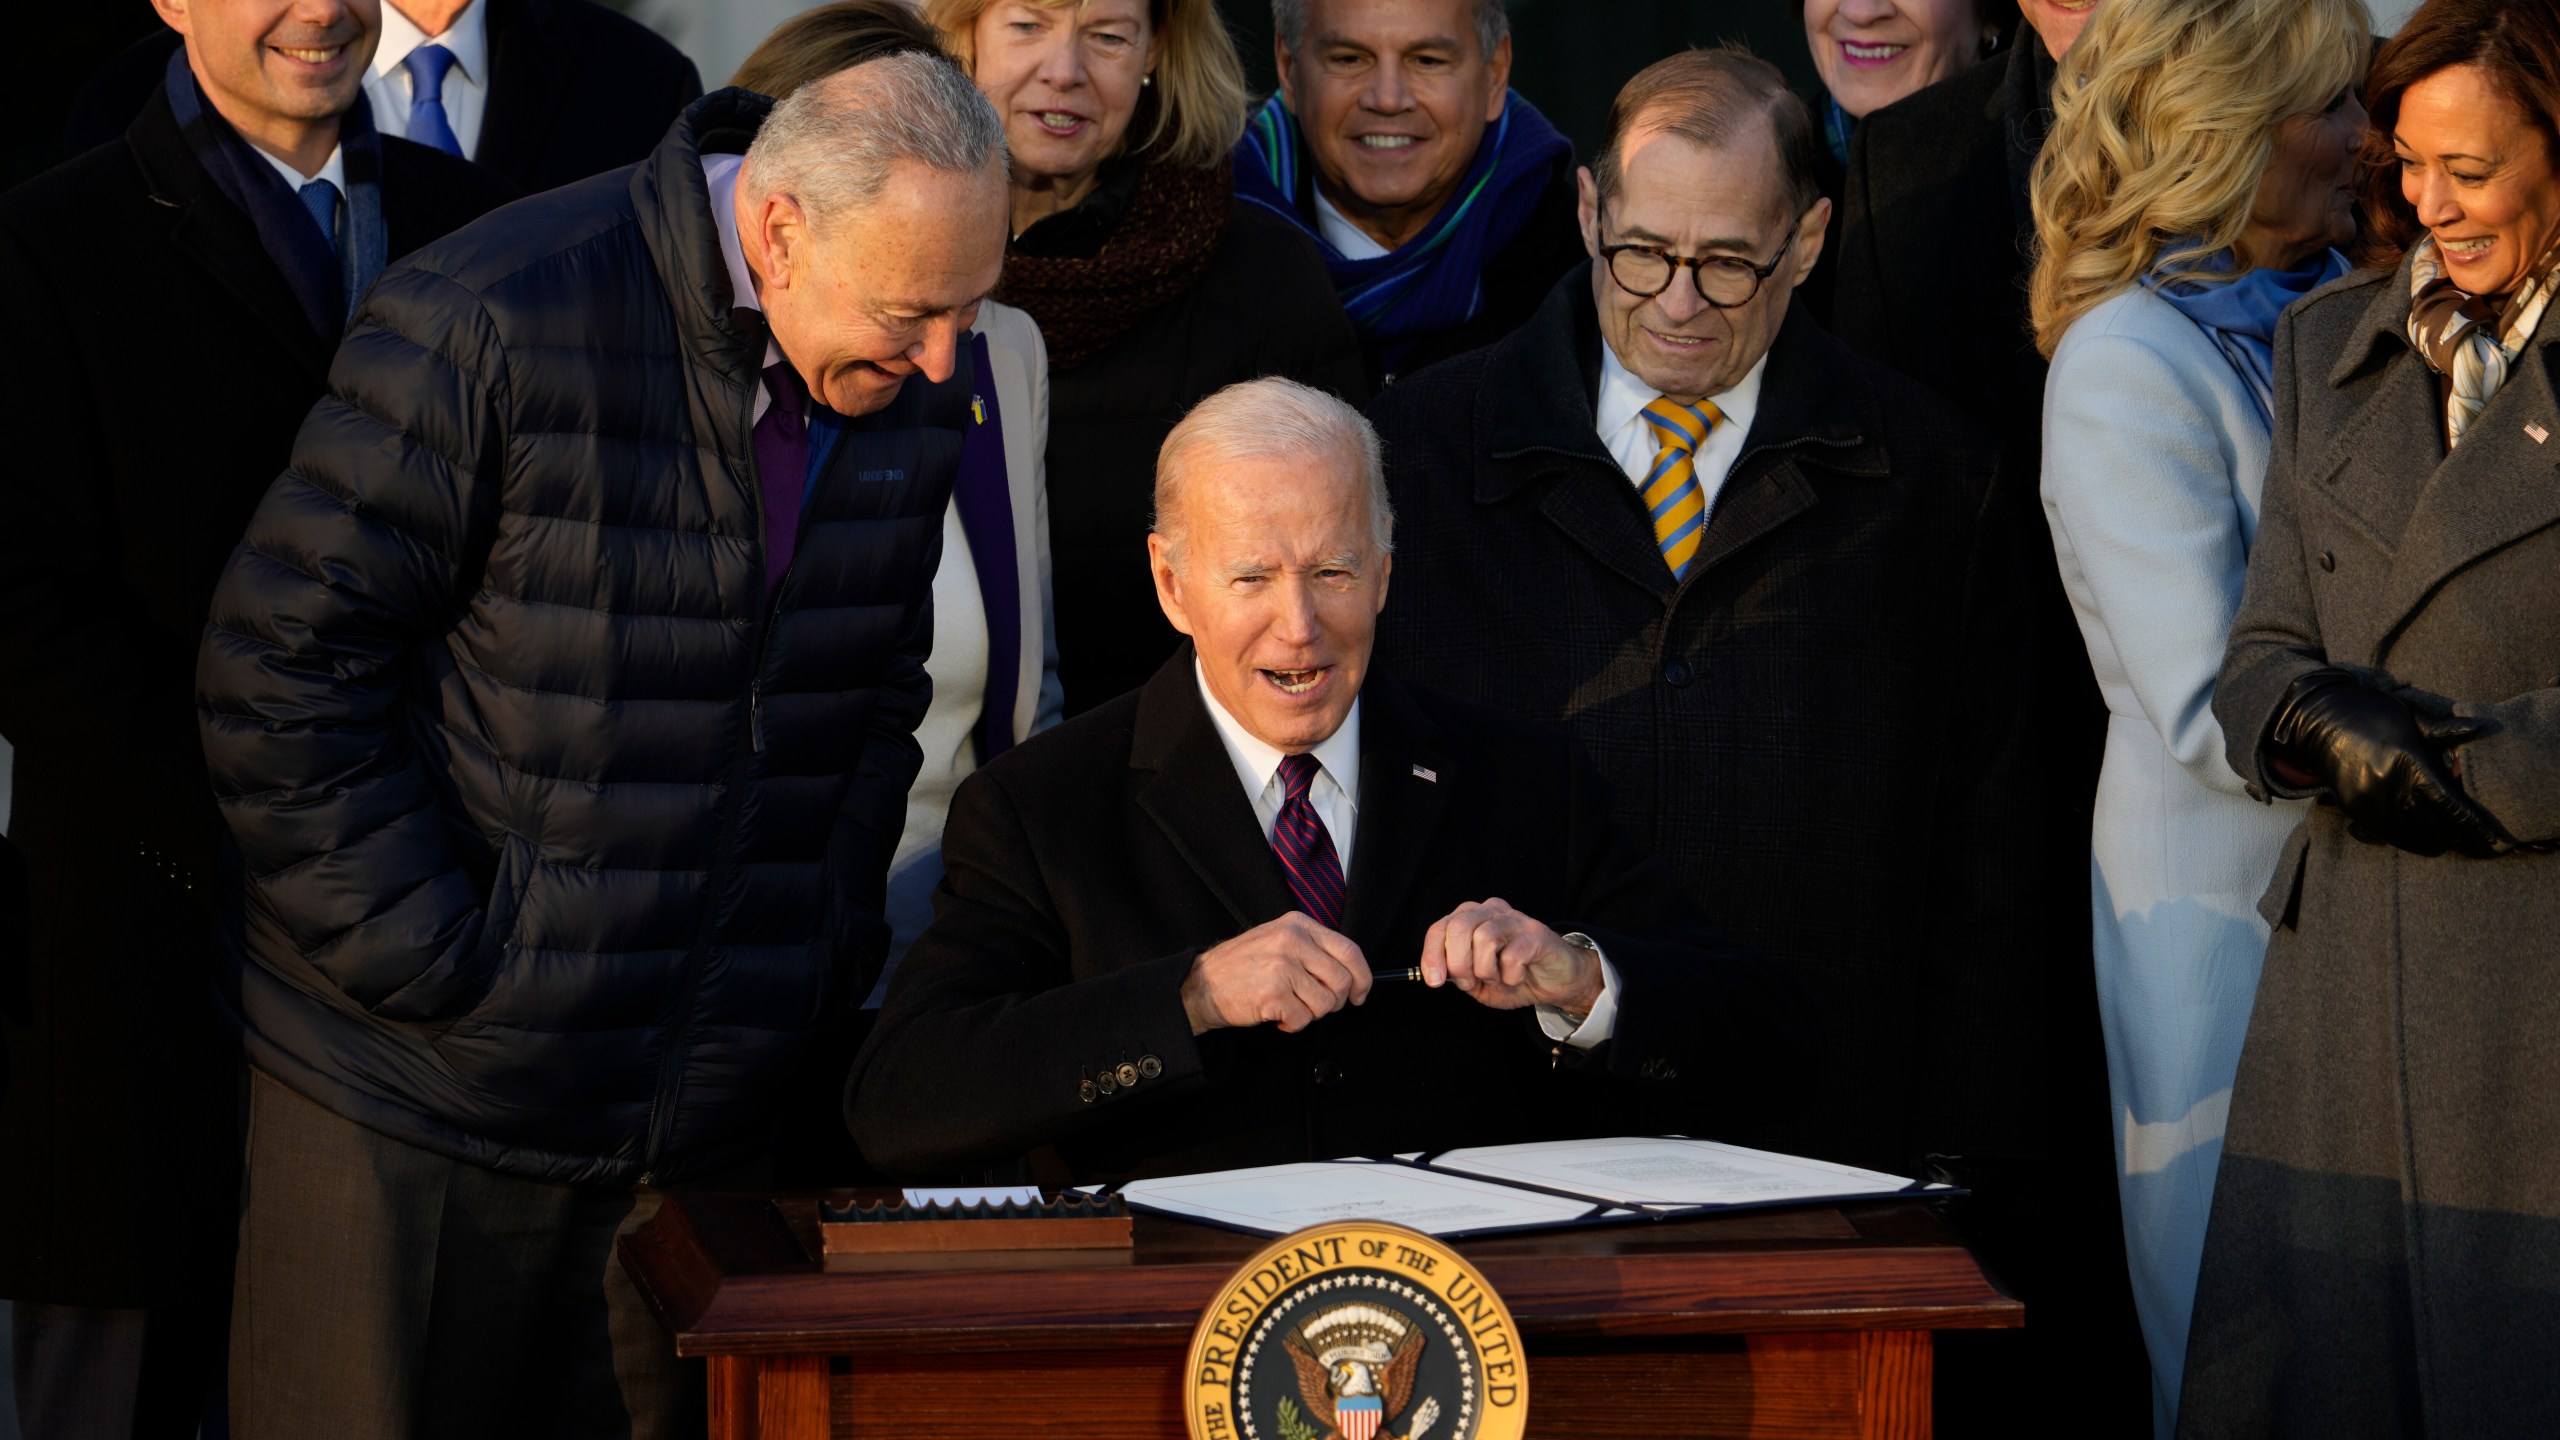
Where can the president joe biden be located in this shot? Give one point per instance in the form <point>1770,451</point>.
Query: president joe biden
<point>1169,933</point>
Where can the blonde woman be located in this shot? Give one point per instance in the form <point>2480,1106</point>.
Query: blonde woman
<point>2233,126</point>
<point>1153,285</point>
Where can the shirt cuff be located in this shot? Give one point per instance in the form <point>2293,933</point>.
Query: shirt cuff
<point>1597,1025</point>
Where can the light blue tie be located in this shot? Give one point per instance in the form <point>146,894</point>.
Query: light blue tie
<point>428,124</point>
<point>321,199</point>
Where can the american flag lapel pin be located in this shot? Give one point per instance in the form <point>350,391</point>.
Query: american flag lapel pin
<point>2538,433</point>
<point>1427,774</point>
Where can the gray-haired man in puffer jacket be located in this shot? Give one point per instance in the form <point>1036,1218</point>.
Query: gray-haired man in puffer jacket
<point>559,699</point>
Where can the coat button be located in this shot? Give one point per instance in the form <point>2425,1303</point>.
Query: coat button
<point>1086,1091</point>
<point>1107,1082</point>
<point>1149,1067</point>
<point>2328,560</point>
<point>1326,1072</point>
<point>1127,1073</point>
<point>1677,674</point>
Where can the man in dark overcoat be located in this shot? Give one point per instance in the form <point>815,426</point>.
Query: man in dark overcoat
<point>1766,583</point>
<point>563,89</point>
<point>561,701</point>
<point>171,304</point>
<point>1156,944</point>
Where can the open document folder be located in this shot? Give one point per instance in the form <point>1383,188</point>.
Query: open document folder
<point>1457,1193</point>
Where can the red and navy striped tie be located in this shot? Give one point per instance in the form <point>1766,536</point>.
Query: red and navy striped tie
<point>1305,847</point>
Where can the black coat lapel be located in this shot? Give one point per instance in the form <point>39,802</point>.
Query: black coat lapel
<point>2497,487</point>
<point>1811,402</point>
<point>206,227</point>
<point>1189,788</point>
<point>520,109</point>
<point>1400,810</point>
<point>1600,511</point>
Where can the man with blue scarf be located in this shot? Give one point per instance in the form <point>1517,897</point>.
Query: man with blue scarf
<point>1442,203</point>
<point>173,301</point>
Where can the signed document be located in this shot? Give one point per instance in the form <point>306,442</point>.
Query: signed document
<point>1670,1173</point>
<point>1281,1199</point>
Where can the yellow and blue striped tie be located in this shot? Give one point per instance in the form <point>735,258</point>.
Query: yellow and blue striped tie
<point>1671,491</point>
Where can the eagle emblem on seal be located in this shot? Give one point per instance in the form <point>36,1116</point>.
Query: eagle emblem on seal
<point>1356,1364</point>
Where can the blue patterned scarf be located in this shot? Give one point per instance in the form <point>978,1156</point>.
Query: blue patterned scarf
<point>2240,315</point>
<point>327,285</point>
<point>1433,281</point>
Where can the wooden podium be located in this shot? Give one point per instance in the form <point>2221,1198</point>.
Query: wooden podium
<point>1794,1324</point>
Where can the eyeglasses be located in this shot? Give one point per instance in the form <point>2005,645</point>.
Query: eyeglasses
<point>1724,281</point>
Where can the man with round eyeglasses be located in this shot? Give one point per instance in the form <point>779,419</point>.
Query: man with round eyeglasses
<point>1765,583</point>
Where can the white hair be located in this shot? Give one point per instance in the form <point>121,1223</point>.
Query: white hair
<point>831,143</point>
<point>1487,17</point>
<point>1271,419</point>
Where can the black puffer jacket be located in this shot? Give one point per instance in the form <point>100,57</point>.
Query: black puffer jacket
<point>558,838</point>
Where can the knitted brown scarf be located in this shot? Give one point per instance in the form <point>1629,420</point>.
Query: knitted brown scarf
<point>1159,250</point>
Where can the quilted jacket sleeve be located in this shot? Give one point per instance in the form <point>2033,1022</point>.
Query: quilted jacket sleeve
<point>361,552</point>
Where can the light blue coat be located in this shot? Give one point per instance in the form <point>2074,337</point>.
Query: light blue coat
<point>2154,457</point>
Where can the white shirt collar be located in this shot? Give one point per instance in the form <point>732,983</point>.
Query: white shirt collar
<point>1257,762</point>
<point>1353,242</point>
<point>1623,397</point>
<point>334,170</point>
<point>466,39</point>
<point>720,175</point>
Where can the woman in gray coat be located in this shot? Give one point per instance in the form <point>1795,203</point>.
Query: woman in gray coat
<point>2155,444</point>
<point>2384,1252</point>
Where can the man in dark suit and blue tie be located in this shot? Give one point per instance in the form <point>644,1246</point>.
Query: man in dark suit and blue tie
<point>541,91</point>
<point>1159,942</point>
<point>172,301</point>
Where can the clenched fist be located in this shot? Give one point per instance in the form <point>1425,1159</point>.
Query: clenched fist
<point>1507,960</point>
<point>1290,972</point>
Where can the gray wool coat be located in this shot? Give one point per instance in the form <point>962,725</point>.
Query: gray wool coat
<point>2383,1257</point>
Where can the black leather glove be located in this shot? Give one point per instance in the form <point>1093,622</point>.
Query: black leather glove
<point>2384,764</point>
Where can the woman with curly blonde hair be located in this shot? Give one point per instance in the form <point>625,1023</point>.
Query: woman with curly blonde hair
<point>2199,175</point>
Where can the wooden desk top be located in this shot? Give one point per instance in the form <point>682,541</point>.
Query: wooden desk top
<point>735,1274</point>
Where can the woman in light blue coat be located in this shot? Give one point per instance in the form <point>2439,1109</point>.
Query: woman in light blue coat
<point>2235,124</point>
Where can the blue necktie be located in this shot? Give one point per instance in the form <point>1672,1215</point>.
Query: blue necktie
<point>321,199</point>
<point>428,124</point>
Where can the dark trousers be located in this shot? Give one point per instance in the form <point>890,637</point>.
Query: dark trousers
<point>77,1369</point>
<point>388,1292</point>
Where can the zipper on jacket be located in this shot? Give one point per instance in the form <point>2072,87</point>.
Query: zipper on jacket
<point>676,1015</point>
<point>679,1013</point>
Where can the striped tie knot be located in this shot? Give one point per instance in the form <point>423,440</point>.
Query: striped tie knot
<point>1297,772</point>
<point>1672,495</point>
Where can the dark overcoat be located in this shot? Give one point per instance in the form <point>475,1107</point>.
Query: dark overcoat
<point>1264,306</point>
<point>2384,1252</point>
<point>562,831</point>
<point>574,88</point>
<point>1087,868</point>
<point>1816,730</point>
<point>163,369</point>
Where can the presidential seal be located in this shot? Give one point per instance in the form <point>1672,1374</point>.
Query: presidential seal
<point>1357,1331</point>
